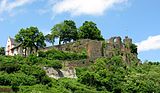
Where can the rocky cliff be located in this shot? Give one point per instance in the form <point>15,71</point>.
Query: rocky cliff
<point>56,73</point>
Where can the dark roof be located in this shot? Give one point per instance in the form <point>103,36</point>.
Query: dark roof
<point>16,46</point>
<point>13,42</point>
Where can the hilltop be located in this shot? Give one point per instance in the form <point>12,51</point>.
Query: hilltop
<point>83,62</point>
<point>101,75</point>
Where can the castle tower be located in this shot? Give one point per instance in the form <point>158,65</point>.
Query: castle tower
<point>118,42</point>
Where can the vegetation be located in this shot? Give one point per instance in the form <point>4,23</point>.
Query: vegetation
<point>16,71</point>
<point>67,32</point>
<point>62,55</point>
<point>106,75</point>
<point>50,38</point>
<point>89,30</point>
<point>2,50</point>
<point>133,48</point>
<point>114,75</point>
<point>30,39</point>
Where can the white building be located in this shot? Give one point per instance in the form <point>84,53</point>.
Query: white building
<point>13,48</point>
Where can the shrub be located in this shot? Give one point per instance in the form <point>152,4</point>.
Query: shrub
<point>32,59</point>
<point>9,67</point>
<point>55,64</point>
<point>61,55</point>
<point>16,79</point>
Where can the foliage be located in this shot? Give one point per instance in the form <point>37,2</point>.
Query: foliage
<point>69,31</point>
<point>89,30</point>
<point>105,75</point>
<point>55,65</point>
<point>50,38</point>
<point>30,38</point>
<point>66,31</point>
<point>61,55</point>
<point>9,67</point>
<point>16,79</point>
<point>114,75</point>
<point>15,72</point>
<point>2,50</point>
<point>133,48</point>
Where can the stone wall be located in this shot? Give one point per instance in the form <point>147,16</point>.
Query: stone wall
<point>93,48</point>
<point>113,47</point>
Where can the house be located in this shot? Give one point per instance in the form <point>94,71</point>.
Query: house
<point>13,48</point>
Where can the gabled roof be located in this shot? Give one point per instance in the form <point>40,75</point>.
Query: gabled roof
<point>13,42</point>
<point>16,46</point>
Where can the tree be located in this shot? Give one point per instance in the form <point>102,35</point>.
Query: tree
<point>55,32</point>
<point>2,51</point>
<point>66,31</point>
<point>69,31</point>
<point>133,48</point>
<point>50,38</point>
<point>30,38</point>
<point>89,30</point>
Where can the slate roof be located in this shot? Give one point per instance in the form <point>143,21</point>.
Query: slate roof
<point>13,42</point>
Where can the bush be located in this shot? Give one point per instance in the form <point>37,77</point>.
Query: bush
<point>61,55</point>
<point>55,64</point>
<point>16,79</point>
<point>32,59</point>
<point>9,67</point>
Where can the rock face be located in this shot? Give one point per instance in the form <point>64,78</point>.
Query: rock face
<point>55,73</point>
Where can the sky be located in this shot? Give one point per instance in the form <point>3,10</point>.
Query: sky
<point>138,19</point>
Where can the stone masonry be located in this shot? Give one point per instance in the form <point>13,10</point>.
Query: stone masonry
<point>96,49</point>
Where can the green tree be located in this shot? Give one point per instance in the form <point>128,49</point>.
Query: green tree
<point>89,30</point>
<point>69,31</point>
<point>50,38</point>
<point>55,32</point>
<point>133,48</point>
<point>30,38</point>
<point>65,31</point>
<point>2,51</point>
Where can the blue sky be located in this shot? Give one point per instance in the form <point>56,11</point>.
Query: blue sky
<point>138,19</point>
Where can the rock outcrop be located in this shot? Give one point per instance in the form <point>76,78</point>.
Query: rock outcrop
<point>56,73</point>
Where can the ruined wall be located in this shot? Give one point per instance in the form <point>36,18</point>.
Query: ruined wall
<point>93,48</point>
<point>113,47</point>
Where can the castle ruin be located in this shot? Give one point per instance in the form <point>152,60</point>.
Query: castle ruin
<point>96,49</point>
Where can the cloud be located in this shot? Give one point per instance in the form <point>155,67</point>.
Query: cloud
<point>85,7</point>
<point>8,6</point>
<point>152,43</point>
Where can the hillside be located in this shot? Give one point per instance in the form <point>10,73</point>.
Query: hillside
<point>94,74</point>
